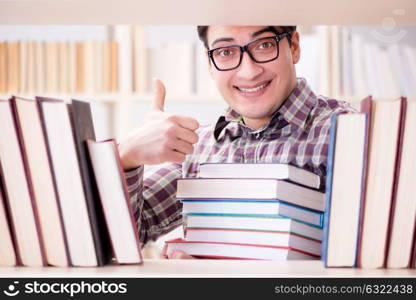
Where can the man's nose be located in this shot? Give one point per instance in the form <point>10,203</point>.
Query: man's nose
<point>248,68</point>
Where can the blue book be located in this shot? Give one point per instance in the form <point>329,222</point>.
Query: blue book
<point>253,207</point>
<point>344,189</point>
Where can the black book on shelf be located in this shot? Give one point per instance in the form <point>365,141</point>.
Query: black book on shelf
<point>83,129</point>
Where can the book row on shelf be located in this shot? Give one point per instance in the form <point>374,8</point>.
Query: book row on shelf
<point>122,65</point>
<point>64,200</point>
<point>339,61</point>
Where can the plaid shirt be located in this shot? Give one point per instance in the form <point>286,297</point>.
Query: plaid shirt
<point>297,134</point>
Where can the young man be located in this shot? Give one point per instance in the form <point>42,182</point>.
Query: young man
<point>273,117</point>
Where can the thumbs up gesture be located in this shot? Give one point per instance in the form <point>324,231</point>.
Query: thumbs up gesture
<point>160,137</point>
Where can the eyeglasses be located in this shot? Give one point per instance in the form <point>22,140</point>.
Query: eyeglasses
<point>261,50</point>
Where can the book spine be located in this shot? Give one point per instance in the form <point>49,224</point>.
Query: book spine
<point>366,107</point>
<point>328,192</point>
<point>396,178</point>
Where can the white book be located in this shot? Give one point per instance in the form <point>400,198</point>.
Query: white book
<point>245,222</point>
<point>260,170</point>
<point>360,80</point>
<point>115,201</point>
<point>123,36</point>
<point>390,83</point>
<point>250,188</point>
<point>40,67</point>
<point>254,237</point>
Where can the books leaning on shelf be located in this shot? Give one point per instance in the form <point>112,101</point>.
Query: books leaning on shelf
<point>240,211</point>
<point>50,189</point>
<point>370,189</point>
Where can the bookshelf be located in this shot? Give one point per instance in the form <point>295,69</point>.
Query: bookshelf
<point>208,268</point>
<point>302,12</point>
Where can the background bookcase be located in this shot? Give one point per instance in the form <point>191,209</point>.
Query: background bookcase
<point>337,40</point>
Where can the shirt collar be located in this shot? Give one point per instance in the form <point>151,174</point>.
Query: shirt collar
<point>294,110</point>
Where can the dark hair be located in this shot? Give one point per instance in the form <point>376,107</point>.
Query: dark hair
<point>203,30</point>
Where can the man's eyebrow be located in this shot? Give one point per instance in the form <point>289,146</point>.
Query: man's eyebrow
<point>255,34</point>
<point>266,29</point>
<point>222,40</point>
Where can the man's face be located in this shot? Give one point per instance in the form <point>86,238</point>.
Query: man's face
<point>254,90</point>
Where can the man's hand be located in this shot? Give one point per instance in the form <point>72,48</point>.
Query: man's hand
<point>161,137</point>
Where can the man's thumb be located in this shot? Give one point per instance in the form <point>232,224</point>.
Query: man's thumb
<point>159,100</point>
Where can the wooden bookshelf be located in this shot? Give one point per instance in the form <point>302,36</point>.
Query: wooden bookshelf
<point>208,268</point>
<point>300,12</point>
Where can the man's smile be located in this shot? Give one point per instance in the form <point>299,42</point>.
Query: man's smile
<point>254,90</point>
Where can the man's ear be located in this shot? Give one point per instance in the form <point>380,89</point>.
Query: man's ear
<point>295,47</point>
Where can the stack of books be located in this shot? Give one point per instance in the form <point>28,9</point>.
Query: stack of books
<point>63,197</point>
<point>260,211</point>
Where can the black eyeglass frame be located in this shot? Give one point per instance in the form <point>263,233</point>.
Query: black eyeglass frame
<point>244,48</point>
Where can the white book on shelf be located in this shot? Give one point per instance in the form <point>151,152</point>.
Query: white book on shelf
<point>72,67</point>
<point>360,81</point>
<point>140,75</point>
<point>401,70</point>
<point>40,68</point>
<point>98,62</point>
<point>389,82</point>
<point>30,67</point>
<point>324,64</point>
<point>336,60</point>
<point>123,36</point>
<point>371,69</point>
<point>63,62</point>
<point>23,67</point>
<point>88,66</point>
<point>346,62</point>
<point>52,69</point>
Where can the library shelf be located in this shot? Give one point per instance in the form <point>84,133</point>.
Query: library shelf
<point>208,268</point>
